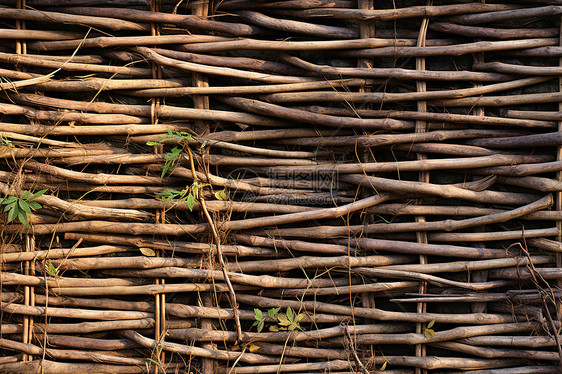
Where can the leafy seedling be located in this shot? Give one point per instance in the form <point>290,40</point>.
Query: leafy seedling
<point>259,320</point>
<point>172,157</point>
<point>273,312</point>
<point>289,320</point>
<point>171,160</point>
<point>20,207</point>
<point>428,331</point>
<point>51,269</point>
<point>170,194</point>
<point>6,142</point>
<point>190,195</point>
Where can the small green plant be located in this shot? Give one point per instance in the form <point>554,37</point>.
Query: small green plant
<point>170,194</point>
<point>428,331</point>
<point>283,321</point>
<point>51,269</point>
<point>190,195</point>
<point>259,319</point>
<point>5,141</point>
<point>157,363</point>
<point>20,207</point>
<point>172,157</point>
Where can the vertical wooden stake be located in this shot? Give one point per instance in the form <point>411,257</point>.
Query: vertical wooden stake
<point>421,236</point>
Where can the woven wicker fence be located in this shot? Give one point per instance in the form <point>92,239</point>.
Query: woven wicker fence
<point>307,186</point>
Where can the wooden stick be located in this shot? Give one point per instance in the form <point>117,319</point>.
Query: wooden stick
<point>75,313</point>
<point>265,281</point>
<point>497,101</point>
<point>540,115</point>
<point>460,266</point>
<point>255,89</point>
<point>61,253</point>
<point>501,67</point>
<point>9,278</point>
<point>496,352</point>
<point>142,290</point>
<point>379,97</point>
<point>123,41</point>
<point>54,367</point>
<point>286,336</point>
<point>491,32</point>
<point>172,246</point>
<point>450,50</point>
<point>503,15</point>
<point>446,117</point>
<point>181,20</point>
<point>491,236</point>
<point>256,106</point>
<point>251,358</point>
<point>446,191</point>
<point>69,66</point>
<point>221,71</point>
<point>402,166</point>
<point>291,26</point>
<point>38,34</point>
<point>395,73</point>
<point>406,12</point>
<point>144,110</point>
<point>374,313</point>
<point>87,327</point>
<point>48,17</point>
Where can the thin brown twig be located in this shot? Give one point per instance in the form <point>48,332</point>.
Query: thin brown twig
<point>219,251</point>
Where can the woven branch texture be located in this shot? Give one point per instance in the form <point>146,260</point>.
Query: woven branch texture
<point>255,186</point>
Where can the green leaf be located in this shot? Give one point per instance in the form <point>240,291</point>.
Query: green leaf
<point>255,323</point>
<point>26,195</point>
<point>283,320</point>
<point>165,169</point>
<point>258,315</point>
<point>51,269</point>
<point>9,199</point>
<point>149,252</point>
<point>37,194</point>
<point>170,194</point>
<point>22,216</point>
<point>190,200</point>
<point>9,207</point>
<point>430,324</point>
<point>174,154</point>
<point>292,327</point>
<point>153,143</point>
<point>299,317</point>
<point>13,214</point>
<point>23,205</point>
<point>34,205</point>
<point>428,333</point>
<point>290,314</point>
<point>260,325</point>
<point>383,367</point>
<point>272,312</point>
<point>195,190</point>
<point>221,195</point>
<point>273,328</point>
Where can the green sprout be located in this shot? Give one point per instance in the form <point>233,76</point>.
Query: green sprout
<point>283,321</point>
<point>20,207</point>
<point>173,156</point>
